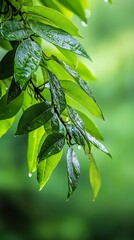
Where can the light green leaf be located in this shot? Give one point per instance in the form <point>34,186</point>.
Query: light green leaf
<point>34,117</point>
<point>52,145</point>
<point>5,125</point>
<point>27,59</point>
<point>75,7</point>
<point>57,92</point>
<point>58,37</point>
<point>34,138</point>
<point>53,16</point>
<point>14,30</point>
<point>73,170</point>
<point>46,167</point>
<point>94,176</point>
<point>77,95</point>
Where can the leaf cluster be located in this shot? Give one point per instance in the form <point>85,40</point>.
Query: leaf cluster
<point>42,78</point>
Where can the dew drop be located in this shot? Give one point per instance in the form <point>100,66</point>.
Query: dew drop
<point>106,1</point>
<point>84,24</point>
<point>67,119</point>
<point>88,13</point>
<point>79,147</point>
<point>29,174</point>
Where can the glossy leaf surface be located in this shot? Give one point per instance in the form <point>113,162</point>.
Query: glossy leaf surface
<point>34,117</point>
<point>27,59</point>
<point>52,145</point>
<point>73,170</point>
<point>5,125</point>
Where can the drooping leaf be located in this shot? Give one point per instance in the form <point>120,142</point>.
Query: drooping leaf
<point>57,92</point>
<point>76,76</point>
<point>73,170</point>
<point>53,16</point>
<point>14,30</point>
<point>14,91</point>
<point>52,145</point>
<point>5,125</point>
<point>76,119</point>
<point>7,65</point>
<point>46,167</point>
<point>27,59</point>
<point>97,144</point>
<point>75,7</point>
<point>56,124</point>
<point>77,95</point>
<point>8,110</point>
<point>34,117</point>
<point>76,135</point>
<point>51,4</point>
<point>94,176</point>
<point>58,37</point>
<point>34,138</point>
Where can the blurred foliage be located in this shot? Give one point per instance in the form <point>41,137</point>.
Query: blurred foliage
<point>26,213</point>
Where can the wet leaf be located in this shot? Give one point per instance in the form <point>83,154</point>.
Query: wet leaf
<point>52,145</point>
<point>46,167</point>
<point>8,110</point>
<point>56,124</point>
<point>76,119</point>
<point>58,37</point>
<point>7,65</point>
<point>57,92</point>
<point>94,176</point>
<point>76,135</point>
<point>14,30</point>
<point>54,17</point>
<point>34,117</point>
<point>14,91</point>
<point>34,138</point>
<point>27,59</point>
<point>73,170</point>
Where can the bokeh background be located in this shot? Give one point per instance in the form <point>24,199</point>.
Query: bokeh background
<point>26,213</point>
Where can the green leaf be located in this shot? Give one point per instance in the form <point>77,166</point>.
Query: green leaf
<point>8,110</point>
<point>27,59</point>
<point>34,117</point>
<point>75,94</point>
<point>53,16</point>
<point>46,167</point>
<point>7,65</point>
<point>34,139</point>
<point>57,92</point>
<point>76,76</point>
<point>52,145</point>
<point>14,91</point>
<point>73,170</point>
<point>58,37</point>
<point>76,119</point>
<point>76,135</point>
<point>14,30</point>
<point>5,125</point>
<point>97,144</point>
<point>56,124</point>
<point>94,176</point>
<point>75,7</point>
<point>85,72</point>
<point>51,4</point>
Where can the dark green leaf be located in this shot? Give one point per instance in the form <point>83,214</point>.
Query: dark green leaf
<point>46,167</point>
<point>94,176</point>
<point>52,145</point>
<point>97,144</point>
<point>34,117</point>
<point>8,110</point>
<point>7,65</point>
<point>56,124</point>
<point>76,76</point>
<point>75,96</point>
<point>76,135</point>
<point>58,37</point>
<point>73,170</point>
<point>57,92</point>
<point>14,91</point>
<point>27,59</point>
<point>14,30</point>
<point>75,118</point>
<point>54,17</point>
<point>51,4</point>
<point>75,7</point>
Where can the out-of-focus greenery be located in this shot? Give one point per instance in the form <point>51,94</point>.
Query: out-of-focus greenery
<point>26,213</point>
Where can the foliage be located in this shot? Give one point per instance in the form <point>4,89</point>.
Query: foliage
<point>48,84</point>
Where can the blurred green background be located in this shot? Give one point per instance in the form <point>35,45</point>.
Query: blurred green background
<point>26,213</point>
